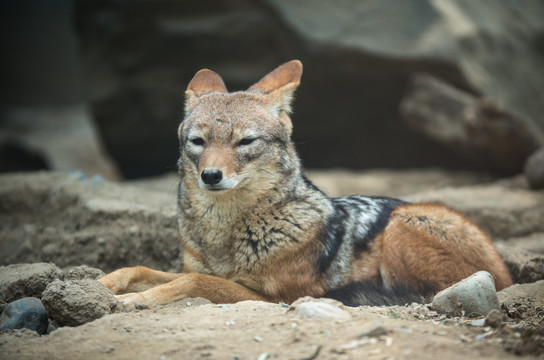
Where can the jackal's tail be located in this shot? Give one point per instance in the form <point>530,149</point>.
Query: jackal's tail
<point>370,293</point>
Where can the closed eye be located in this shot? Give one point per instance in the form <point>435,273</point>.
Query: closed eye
<point>246,141</point>
<point>197,141</point>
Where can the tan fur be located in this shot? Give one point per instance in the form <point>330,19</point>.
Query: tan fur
<point>287,74</point>
<point>220,157</point>
<point>431,243</point>
<point>264,233</point>
<point>367,266</point>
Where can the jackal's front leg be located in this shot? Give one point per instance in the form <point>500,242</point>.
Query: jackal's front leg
<point>135,279</point>
<point>213,288</point>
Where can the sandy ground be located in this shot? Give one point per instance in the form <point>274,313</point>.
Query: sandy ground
<point>71,220</point>
<point>257,330</point>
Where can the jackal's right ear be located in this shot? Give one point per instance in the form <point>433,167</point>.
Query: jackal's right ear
<point>279,87</point>
<point>205,81</point>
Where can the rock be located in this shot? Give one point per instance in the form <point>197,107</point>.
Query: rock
<point>76,302</point>
<point>73,142</point>
<point>524,266</point>
<point>357,55</point>
<point>308,307</point>
<point>482,131</point>
<point>473,296</point>
<point>534,169</point>
<point>24,280</point>
<point>28,313</point>
<point>495,318</point>
<point>454,32</point>
<point>83,272</point>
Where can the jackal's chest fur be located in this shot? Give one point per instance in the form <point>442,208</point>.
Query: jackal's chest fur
<point>235,239</point>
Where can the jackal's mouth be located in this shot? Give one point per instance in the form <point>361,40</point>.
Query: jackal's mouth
<point>221,187</point>
<point>214,189</point>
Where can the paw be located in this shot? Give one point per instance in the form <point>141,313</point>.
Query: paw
<point>118,281</point>
<point>132,301</point>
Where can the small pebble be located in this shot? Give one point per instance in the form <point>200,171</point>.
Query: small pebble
<point>264,356</point>
<point>319,309</point>
<point>478,322</point>
<point>495,318</point>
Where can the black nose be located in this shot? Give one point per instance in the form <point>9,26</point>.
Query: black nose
<point>212,177</point>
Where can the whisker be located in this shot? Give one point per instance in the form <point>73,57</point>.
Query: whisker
<point>305,141</point>
<point>174,186</point>
<point>266,171</point>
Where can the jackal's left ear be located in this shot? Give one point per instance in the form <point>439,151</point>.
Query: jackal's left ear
<point>205,81</point>
<point>279,87</point>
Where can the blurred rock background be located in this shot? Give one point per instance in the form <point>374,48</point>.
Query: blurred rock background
<point>97,85</point>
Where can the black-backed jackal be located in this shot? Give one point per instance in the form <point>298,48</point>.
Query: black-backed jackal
<point>255,228</point>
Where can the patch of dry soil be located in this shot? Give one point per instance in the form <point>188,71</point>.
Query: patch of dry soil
<point>72,220</point>
<point>193,329</point>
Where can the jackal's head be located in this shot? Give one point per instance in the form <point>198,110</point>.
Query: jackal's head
<point>239,140</point>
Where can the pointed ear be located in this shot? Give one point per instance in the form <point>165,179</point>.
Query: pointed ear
<point>279,87</point>
<point>204,81</point>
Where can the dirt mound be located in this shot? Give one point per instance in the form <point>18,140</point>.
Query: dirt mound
<point>72,220</point>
